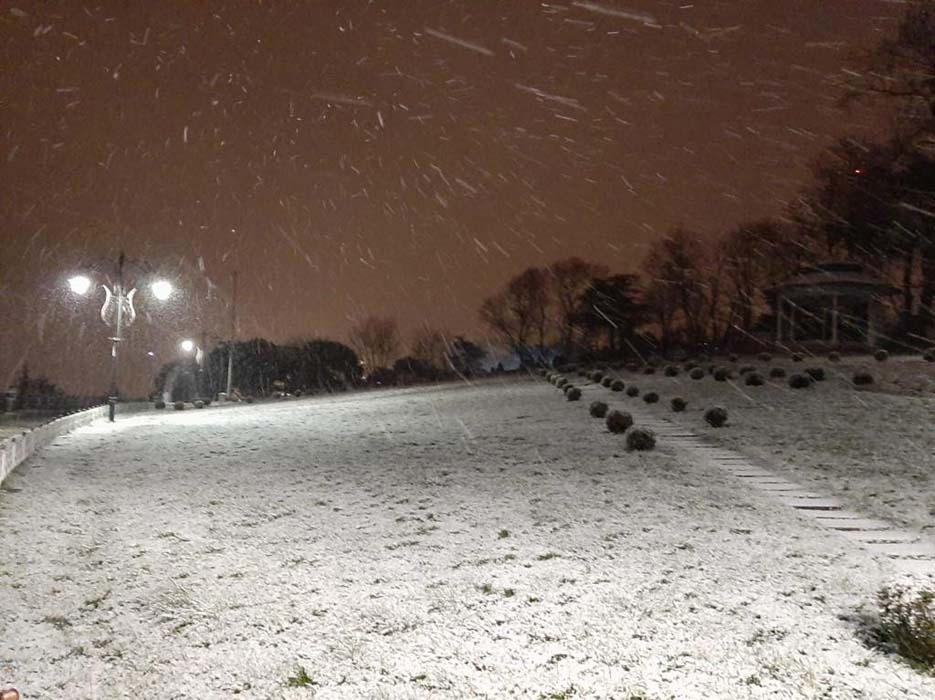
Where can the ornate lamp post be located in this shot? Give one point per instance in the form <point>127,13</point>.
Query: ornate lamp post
<point>117,311</point>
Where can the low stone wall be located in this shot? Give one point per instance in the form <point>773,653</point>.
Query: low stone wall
<point>16,449</point>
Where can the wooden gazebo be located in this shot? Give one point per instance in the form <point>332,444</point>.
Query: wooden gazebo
<point>834,304</point>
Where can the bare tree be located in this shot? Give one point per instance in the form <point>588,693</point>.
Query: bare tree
<point>376,341</point>
<point>519,313</point>
<point>430,345</point>
<point>570,279</point>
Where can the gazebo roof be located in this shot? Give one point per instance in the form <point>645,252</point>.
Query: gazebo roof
<point>833,278</point>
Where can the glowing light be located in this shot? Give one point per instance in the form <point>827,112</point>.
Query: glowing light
<point>858,171</point>
<point>187,345</point>
<point>151,353</point>
<point>161,289</point>
<point>79,284</point>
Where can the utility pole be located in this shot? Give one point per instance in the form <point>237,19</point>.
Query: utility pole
<point>230,345</point>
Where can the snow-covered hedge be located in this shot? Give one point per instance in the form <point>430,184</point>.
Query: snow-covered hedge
<point>598,409</point>
<point>618,421</point>
<point>678,404</point>
<point>640,439</point>
<point>907,622</point>
<point>716,416</point>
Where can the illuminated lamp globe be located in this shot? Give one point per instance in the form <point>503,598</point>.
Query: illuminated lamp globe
<point>79,284</point>
<point>161,289</point>
<point>187,345</point>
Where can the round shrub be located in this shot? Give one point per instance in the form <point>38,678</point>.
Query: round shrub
<point>777,373</point>
<point>722,374</point>
<point>649,369</point>
<point>816,373</point>
<point>598,409</point>
<point>597,375</point>
<point>618,421</point>
<point>607,382</point>
<point>929,356</point>
<point>562,383</point>
<point>797,357</point>
<point>800,381</point>
<point>543,372</point>
<point>754,379</point>
<point>834,356</point>
<point>678,404</point>
<point>863,379</point>
<point>640,439</point>
<point>881,355</point>
<point>747,369</point>
<point>732,358</point>
<point>179,405</point>
<point>618,385</point>
<point>651,397</point>
<point>764,357</point>
<point>715,416</point>
<point>633,391</point>
<point>573,394</point>
<point>199,403</point>
<point>671,371</point>
<point>696,373</point>
<point>160,404</point>
<point>689,366</point>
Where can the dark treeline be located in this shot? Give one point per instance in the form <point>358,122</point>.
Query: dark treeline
<point>872,203</point>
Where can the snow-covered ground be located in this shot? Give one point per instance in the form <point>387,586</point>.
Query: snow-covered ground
<point>874,448</point>
<point>484,541</point>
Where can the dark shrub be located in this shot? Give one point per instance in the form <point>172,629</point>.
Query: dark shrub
<point>618,385</point>
<point>797,357</point>
<point>678,404</point>
<point>573,394</point>
<point>671,371</point>
<point>747,368</point>
<point>649,369</point>
<point>160,404</point>
<point>249,399</point>
<point>800,381</point>
<point>929,356</point>
<point>640,439</point>
<point>834,356</point>
<point>754,379</point>
<point>543,372</point>
<point>633,391</point>
<point>198,403</point>
<point>881,355</point>
<point>607,381</point>
<point>716,416</point>
<point>777,373</point>
<point>907,622</point>
<point>764,357</point>
<point>732,358</point>
<point>696,373</point>
<point>562,383</point>
<point>598,409</point>
<point>597,375</point>
<point>722,374</point>
<point>689,366</point>
<point>863,379</point>
<point>816,373</point>
<point>651,397</point>
<point>618,421</point>
<point>179,405</point>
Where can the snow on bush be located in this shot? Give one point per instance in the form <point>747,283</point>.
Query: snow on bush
<point>651,397</point>
<point>754,379</point>
<point>640,439</point>
<point>618,421</point>
<point>881,355</point>
<point>716,416</point>
<point>160,404</point>
<point>598,409</point>
<point>906,622</point>
<point>573,394</point>
<point>696,373</point>
<point>800,381</point>
<point>561,383</point>
<point>678,404</point>
<point>633,390</point>
<point>607,381</point>
<point>863,379</point>
<point>179,405</point>
<point>618,385</point>
<point>199,403</point>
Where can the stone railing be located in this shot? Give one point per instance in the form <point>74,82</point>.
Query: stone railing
<point>18,448</point>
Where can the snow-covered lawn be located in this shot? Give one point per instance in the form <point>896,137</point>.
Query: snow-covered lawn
<point>487,541</point>
<point>874,448</point>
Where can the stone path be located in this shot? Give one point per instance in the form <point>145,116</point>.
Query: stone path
<point>909,551</point>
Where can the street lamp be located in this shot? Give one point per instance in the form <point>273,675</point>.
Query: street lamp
<point>117,312</point>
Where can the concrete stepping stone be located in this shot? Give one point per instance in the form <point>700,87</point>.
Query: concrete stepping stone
<point>908,550</point>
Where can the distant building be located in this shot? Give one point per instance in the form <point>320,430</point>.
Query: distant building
<point>833,304</point>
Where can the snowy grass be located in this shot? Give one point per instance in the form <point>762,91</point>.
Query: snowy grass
<point>872,447</point>
<point>485,541</point>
